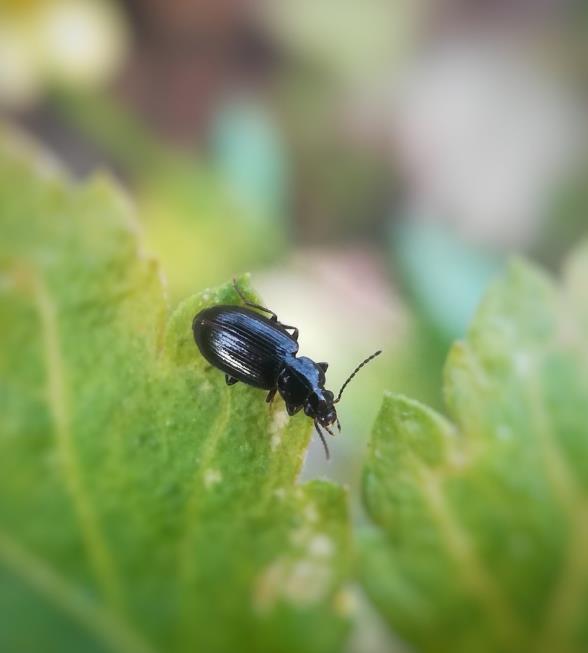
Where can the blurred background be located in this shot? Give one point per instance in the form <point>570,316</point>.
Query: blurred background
<point>373,164</point>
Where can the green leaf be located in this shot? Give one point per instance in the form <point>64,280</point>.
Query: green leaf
<point>481,525</point>
<point>144,505</point>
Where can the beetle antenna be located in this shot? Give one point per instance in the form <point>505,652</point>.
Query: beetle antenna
<point>322,437</point>
<point>355,371</point>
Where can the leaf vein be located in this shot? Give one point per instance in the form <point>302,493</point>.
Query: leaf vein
<point>58,401</point>
<point>571,584</point>
<point>58,591</point>
<point>462,552</point>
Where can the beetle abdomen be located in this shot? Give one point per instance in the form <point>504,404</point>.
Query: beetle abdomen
<point>244,344</point>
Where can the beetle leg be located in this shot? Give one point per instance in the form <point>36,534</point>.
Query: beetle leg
<point>274,317</point>
<point>339,425</point>
<point>230,380</point>
<point>294,334</point>
<point>270,395</point>
<point>322,437</point>
<point>292,410</point>
<point>259,307</point>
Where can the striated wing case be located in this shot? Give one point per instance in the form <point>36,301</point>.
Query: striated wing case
<point>243,344</point>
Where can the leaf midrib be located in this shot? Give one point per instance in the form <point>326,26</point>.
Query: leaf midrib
<point>58,403</point>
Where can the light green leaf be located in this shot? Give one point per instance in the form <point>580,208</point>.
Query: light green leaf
<point>481,534</point>
<point>144,505</point>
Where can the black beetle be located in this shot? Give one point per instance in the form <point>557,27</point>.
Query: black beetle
<point>261,351</point>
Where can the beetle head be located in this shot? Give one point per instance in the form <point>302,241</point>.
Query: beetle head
<point>320,406</point>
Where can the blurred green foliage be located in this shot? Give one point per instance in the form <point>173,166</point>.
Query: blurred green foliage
<point>481,525</point>
<point>197,231</point>
<point>198,224</point>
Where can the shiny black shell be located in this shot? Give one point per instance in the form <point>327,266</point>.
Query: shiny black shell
<point>244,344</point>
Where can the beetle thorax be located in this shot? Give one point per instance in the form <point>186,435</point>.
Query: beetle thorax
<point>301,384</point>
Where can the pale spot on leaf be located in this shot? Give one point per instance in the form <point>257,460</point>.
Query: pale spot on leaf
<point>321,546</point>
<point>212,477</point>
<point>278,424</point>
